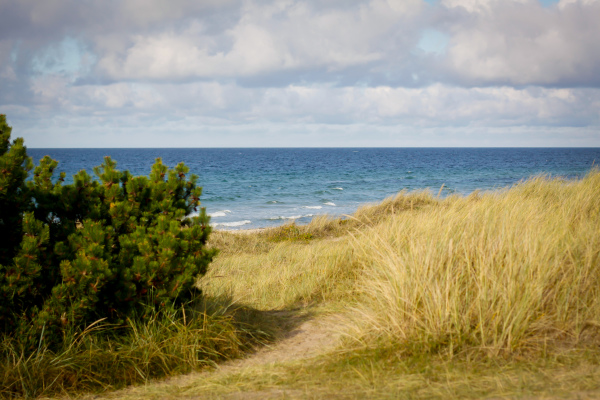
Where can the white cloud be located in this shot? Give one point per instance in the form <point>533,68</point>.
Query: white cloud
<point>284,70</point>
<point>518,42</point>
<point>480,6</point>
<point>268,37</point>
<point>226,104</point>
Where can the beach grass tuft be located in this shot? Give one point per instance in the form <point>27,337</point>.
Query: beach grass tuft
<point>499,274</point>
<point>105,357</point>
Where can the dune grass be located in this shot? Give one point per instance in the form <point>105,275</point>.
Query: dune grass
<point>297,265</point>
<point>289,275</point>
<point>505,273</point>
<point>515,271</point>
<point>492,294</point>
<point>496,294</point>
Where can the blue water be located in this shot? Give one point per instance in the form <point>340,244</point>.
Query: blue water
<point>252,188</point>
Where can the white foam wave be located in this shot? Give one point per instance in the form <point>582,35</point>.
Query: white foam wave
<point>290,217</point>
<point>330,203</point>
<point>338,188</point>
<point>222,213</point>
<point>313,207</point>
<point>232,224</point>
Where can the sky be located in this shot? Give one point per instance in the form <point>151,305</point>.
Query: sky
<point>282,73</point>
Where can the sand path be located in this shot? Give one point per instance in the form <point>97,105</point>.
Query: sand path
<point>309,339</point>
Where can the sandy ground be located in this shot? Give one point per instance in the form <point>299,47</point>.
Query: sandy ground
<point>311,338</point>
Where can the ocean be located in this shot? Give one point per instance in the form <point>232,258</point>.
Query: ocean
<point>250,188</point>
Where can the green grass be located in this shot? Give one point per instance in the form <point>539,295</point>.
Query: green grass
<point>108,357</point>
<point>383,374</point>
<point>496,294</point>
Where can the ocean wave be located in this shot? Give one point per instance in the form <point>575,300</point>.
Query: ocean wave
<point>337,188</point>
<point>274,202</point>
<point>330,203</point>
<point>313,207</point>
<point>281,217</point>
<point>232,224</point>
<point>222,213</point>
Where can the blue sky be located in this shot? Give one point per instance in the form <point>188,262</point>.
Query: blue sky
<point>242,73</point>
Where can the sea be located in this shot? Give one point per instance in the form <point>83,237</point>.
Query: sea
<point>249,188</point>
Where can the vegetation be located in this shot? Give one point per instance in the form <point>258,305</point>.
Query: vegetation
<point>106,357</point>
<point>495,294</point>
<point>490,295</point>
<point>93,250</point>
<point>98,277</point>
<point>494,275</point>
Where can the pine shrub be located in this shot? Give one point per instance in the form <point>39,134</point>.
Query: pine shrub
<point>96,249</point>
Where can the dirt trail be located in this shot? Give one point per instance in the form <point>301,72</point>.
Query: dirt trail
<point>312,337</point>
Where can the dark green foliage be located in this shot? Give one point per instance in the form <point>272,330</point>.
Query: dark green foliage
<point>14,166</point>
<point>73,254</point>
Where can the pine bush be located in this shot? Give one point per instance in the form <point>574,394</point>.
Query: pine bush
<point>96,249</point>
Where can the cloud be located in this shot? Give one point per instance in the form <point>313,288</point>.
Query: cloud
<point>517,42</point>
<point>268,37</point>
<point>229,104</point>
<point>263,67</point>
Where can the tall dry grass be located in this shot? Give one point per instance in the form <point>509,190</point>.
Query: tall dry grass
<point>293,265</point>
<point>511,271</point>
<point>514,271</point>
<point>290,275</point>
